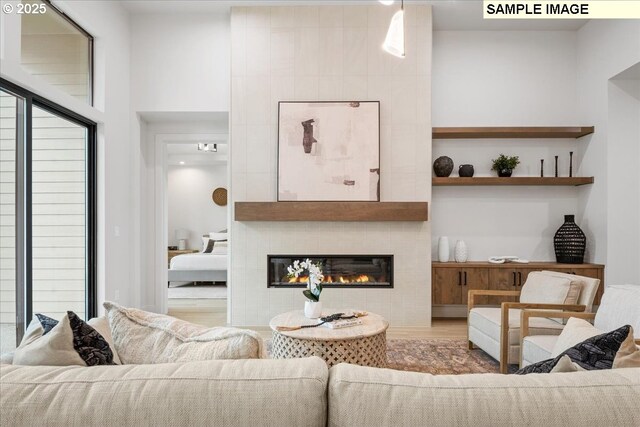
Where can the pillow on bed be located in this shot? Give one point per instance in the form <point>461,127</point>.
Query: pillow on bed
<point>218,236</point>
<point>220,248</point>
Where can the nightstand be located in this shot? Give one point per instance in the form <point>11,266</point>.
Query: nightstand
<point>171,254</point>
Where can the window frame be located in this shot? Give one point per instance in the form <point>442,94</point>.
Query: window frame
<point>84,32</point>
<point>24,181</point>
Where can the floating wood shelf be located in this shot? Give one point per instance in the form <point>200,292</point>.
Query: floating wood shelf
<point>511,132</point>
<point>515,180</point>
<point>538,265</point>
<point>331,211</point>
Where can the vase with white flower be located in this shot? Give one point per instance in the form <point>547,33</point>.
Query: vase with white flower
<point>314,278</point>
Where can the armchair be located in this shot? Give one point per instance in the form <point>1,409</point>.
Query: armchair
<point>619,307</point>
<point>497,330</point>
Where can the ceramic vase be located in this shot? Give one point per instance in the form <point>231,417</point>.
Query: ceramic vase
<point>460,253</point>
<point>443,249</point>
<point>570,242</point>
<point>312,309</point>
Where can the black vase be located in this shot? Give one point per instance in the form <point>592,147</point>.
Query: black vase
<point>505,173</point>
<point>570,242</point>
<point>443,166</point>
<point>465,171</point>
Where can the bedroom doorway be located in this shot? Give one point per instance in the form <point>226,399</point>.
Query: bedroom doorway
<point>167,139</point>
<point>196,186</point>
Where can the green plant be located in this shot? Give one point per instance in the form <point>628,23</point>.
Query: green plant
<point>505,163</point>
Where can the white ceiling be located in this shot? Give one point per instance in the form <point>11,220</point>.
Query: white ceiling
<point>460,15</point>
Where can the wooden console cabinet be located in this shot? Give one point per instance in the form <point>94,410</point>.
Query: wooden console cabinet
<point>451,281</point>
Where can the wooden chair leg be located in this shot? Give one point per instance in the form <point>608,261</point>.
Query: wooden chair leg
<point>504,340</point>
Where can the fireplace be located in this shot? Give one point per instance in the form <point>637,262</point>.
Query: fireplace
<point>340,271</point>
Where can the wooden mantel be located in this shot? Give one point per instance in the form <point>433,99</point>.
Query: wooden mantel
<point>331,211</point>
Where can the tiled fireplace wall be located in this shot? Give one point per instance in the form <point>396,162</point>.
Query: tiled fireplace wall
<point>330,53</point>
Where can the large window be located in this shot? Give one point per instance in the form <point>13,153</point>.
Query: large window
<point>56,49</point>
<point>47,196</point>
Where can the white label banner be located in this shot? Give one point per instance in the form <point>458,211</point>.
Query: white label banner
<point>589,9</point>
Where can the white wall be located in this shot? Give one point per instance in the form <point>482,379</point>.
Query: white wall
<point>180,62</point>
<point>330,53</point>
<point>190,205</point>
<point>109,24</point>
<point>605,48</point>
<point>504,78</point>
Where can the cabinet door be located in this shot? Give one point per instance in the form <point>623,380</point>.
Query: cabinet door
<point>447,286</point>
<point>475,278</point>
<point>503,279</point>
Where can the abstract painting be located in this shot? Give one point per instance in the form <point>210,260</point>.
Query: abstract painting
<point>329,151</point>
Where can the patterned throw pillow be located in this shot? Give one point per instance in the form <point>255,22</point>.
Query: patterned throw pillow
<point>88,343</point>
<point>46,322</point>
<point>592,354</point>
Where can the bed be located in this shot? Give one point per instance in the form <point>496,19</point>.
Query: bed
<point>198,267</point>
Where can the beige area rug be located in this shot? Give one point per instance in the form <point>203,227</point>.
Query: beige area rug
<point>437,356</point>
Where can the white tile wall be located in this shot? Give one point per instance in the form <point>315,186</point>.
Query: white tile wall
<point>311,53</point>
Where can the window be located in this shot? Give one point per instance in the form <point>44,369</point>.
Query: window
<point>47,201</point>
<point>57,50</point>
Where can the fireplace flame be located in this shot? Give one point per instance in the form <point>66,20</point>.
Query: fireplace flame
<point>347,279</point>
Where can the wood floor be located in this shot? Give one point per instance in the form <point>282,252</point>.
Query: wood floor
<point>214,313</point>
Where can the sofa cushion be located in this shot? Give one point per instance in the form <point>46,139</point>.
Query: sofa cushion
<point>589,287</point>
<point>619,306</point>
<point>594,353</point>
<point>221,393</point>
<point>536,348</point>
<point>488,320</point>
<point>141,337</point>
<point>542,288</point>
<point>361,396</point>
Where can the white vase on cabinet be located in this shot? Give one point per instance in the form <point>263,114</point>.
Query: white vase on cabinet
<point>460,253</point>
<point>443,249</point>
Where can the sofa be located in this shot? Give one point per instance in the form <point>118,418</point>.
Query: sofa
<point>303,392</point>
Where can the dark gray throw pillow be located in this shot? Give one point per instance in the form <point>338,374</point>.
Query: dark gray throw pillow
<point>88,343</point>
<point>46,322</point>
<point>592,354</point>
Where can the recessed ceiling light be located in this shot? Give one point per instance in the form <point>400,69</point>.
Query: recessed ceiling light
<point>386,2</point>
<point>182,163</point>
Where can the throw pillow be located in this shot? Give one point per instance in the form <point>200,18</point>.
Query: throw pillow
<point>141,337</point>
<point>47,323</point>
<point>70,342</point>
<point>88,343</point>
<point>594,353</point>
<point>566,365</point>
<point>629,354</point>
<point>576,331</point>
<point>101,324</point>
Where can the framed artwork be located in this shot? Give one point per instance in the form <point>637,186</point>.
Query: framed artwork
<point>329,151</point>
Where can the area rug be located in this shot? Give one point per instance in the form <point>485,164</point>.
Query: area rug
<point>190,291</point>
<point>438,356</point>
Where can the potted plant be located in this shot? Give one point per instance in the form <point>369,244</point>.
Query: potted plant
<point>314,276</point>
<point>505,165</point>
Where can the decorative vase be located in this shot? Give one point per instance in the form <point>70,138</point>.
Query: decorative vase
<point>569,242</point>
<point>505,173</point>
<point>443,166</point>
<point>443,249</point>
<point>465,171</point>
<point>312,309</point>
<point>460,253</point>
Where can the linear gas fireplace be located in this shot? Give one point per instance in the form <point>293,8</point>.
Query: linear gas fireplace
<point>340,271</point>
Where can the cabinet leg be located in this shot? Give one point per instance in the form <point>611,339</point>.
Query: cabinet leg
<point>470,345</point>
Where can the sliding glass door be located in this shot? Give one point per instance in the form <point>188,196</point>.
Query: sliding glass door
<point>48,212</point>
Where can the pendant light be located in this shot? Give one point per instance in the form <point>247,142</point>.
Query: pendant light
<point>394,42</point>
<point>386,2</point>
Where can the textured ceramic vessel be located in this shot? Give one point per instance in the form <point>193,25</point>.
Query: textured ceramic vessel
<point>466,171</point>
<point>443,166</point>
<point>570,242</point>
<point>460,253</point>
<point>443,249</point>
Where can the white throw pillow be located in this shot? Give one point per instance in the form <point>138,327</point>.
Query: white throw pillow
<point>53,349</point>
<point>576,331</point>
<point>141,337</point>
<point>218,236</point>
<point>565,364</point>
<point>543,289</point>
<point>220,248</point>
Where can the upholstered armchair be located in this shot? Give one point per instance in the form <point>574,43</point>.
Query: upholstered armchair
<point>497,330</point>
<point>620,306</point>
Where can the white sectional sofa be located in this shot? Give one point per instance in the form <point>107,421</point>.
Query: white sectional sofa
<point>303,392</point>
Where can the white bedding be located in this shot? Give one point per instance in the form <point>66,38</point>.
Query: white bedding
<point>199,261</point>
